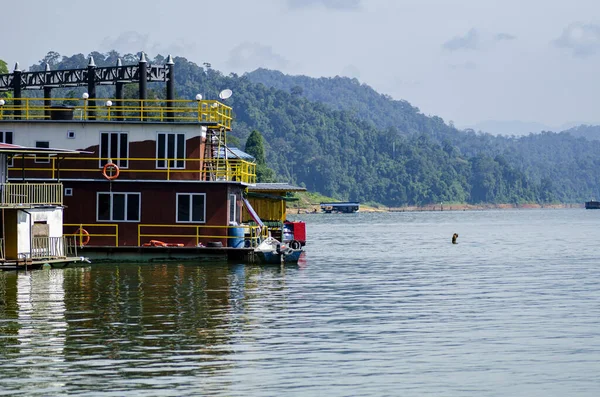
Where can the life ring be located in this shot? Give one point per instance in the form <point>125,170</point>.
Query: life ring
<point>114,174</point>
<point>295,244</point>
<point>84,236</point>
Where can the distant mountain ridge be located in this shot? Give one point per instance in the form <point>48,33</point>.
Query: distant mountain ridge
<point>590,132</point>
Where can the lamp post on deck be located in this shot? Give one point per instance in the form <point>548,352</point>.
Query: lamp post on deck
<point>199,100</point>
<point>108,105</point>
<point>85,98</point>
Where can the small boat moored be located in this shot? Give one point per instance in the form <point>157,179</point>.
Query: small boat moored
<point>592,205</point>
<point>272,251</point>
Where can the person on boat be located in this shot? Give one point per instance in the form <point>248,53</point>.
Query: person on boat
<point>454,237</point>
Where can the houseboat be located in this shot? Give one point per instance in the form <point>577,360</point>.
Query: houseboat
<point>345,207</point>
<point>592,205</point>
<point>154,180</point>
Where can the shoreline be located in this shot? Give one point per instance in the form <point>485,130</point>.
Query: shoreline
<point>315,209</point>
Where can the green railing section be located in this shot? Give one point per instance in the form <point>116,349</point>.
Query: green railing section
<point>15,194</point>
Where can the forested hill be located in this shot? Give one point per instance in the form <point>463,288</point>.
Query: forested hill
<point>561,164</point>
<point>590,132</point>
<point>351,154</point>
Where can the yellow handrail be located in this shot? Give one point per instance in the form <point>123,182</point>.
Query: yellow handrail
<point>221,170</point>
<point>91,226</point>
<point>254,232</point>
<point>208,112</point>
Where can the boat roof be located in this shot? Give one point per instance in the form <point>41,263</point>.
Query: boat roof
<point>8,148</point>
<point>275,187</point>
<point>234,153</point>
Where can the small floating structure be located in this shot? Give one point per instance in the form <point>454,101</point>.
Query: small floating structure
<point>32,215</point>
<point>592,205</point>
<point>343,207</point>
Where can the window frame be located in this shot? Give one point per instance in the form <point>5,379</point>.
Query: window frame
<point>121,163</point>
<point>165,154</point>
<point>45,159</point>
<point>190,195</point>
<point>111,206</point>
<point>3,135</point>
<point>233,208</point>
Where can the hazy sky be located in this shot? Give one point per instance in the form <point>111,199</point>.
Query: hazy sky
<point>464,60</point>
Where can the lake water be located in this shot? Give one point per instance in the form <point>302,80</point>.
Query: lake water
<point>381,305</point>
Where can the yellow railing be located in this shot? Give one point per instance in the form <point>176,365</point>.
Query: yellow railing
<point>208,112</point>
<point>84,236</point>
<point>254,233</point>
<point>213,169</point>
<point>31,193</point>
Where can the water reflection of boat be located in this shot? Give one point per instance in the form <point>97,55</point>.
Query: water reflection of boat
<point>272,251</point>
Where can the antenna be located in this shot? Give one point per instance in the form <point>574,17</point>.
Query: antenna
<point>225,94</point>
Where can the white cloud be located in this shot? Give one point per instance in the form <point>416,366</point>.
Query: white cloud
<point>351,71</point>
<point>329,4</point>
<point>134,42</point>
<point>475,40</point>
<point>469,41</point>
<point>247,56</point>
<point>505,37</point>
<point>582,39</point>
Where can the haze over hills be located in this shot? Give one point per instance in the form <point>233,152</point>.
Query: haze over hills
<point>518,128</point>
<point>341,138</point>
<point>349,94</point>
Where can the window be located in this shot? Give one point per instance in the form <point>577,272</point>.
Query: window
<point>191,207</point>
<point>68,191</point>
<point>114,146</point>
<point>124,207</point>
<point>232,208</point>
<point>7,137</point>
<point>42,158</point>
<point>170,147</point>
<point>70,134</point>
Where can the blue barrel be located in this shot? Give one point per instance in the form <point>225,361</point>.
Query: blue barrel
<point>236,237</point>
<point>288,235</point>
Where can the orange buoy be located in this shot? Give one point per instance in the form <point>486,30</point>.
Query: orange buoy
<point>111,171</point>
<point>84,236</point>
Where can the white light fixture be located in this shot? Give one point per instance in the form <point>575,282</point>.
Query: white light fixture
<point>2,102</point>
<point>109,103</point>
<point>198,97</point>
<point>85,95</point>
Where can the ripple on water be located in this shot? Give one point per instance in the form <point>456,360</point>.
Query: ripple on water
<point>382,304</point>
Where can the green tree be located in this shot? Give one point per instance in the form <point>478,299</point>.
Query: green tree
<point>256,148</point>
<point>4,70</point>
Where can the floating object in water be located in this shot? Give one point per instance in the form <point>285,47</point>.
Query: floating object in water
<point>454,237</point>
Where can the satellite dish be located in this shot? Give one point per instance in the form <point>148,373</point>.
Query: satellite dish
<point>225,94</point>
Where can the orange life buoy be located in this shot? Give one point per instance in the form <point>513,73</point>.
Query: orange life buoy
<point>84,236</point>
<point>114,174</point>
